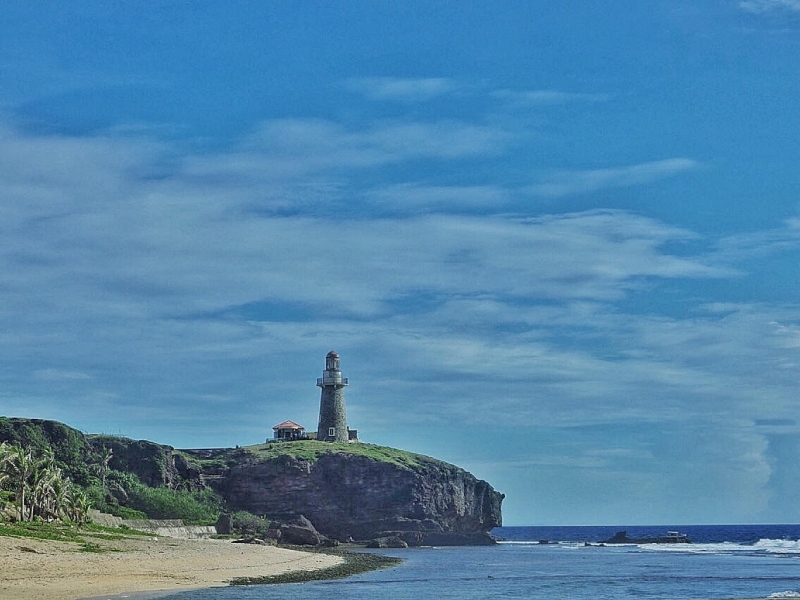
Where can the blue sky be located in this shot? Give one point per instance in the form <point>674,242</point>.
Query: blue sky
<point>554,243</point>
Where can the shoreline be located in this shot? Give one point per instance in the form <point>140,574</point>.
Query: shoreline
<point>152,595</point>
<point>148,567</point>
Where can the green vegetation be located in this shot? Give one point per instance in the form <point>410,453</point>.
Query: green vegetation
<point>214,464</point>
<point>354,563</point>
<point>313,450</point>
<point>129,498</point>
<point>200,507</point>
<point>40,488</point>
<point>40,458</point>
<point>67,445</point>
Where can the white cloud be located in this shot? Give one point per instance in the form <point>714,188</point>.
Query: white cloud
<point>567,183</point>
<point>404,90</point>
<point>408,196</point>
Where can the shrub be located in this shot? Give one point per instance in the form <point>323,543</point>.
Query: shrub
<point>200,507</point>
<point>246,523</point>
<point>124,512</point>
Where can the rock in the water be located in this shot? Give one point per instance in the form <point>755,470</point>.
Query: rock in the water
<point>439,538</point>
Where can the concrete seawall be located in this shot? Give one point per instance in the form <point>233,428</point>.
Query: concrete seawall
<point>164,527</point>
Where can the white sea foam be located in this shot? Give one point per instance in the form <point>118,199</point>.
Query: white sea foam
<point>778,546</point>
<point>517,543</point>
<point>722,548</point>
<point>787,594</point>
<point>763,546</point>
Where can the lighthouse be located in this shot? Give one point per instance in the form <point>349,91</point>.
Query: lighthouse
<point>332,417</point>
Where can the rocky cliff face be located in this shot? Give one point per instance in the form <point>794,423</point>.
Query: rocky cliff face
<point>348,495</point>
<point>154,464</point>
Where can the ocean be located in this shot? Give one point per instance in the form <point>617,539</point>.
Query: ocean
<point>724,561</point>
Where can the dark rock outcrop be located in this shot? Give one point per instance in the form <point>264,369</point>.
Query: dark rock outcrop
<point>224,524</point>
<point>301,532</point>
<point>254,540</point>
<point>154,464</point>
<point>391,541</point>
<point>672,537</point>
<point>436,538</point>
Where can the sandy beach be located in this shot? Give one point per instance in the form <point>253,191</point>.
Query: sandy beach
<point>48,570</point>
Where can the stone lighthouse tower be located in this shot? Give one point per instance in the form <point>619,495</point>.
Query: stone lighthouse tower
<point>332,418</point>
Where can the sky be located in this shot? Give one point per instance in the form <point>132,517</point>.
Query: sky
<point>554,243</point>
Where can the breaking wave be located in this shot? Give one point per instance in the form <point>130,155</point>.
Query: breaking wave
<point>762,546</point>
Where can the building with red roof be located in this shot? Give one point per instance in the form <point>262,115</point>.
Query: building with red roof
<point>289,430</point>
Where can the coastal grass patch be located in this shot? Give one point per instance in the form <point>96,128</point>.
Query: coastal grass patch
<point>193,507</point>
<point>84,535</point>
<point>354,564</point>
<point>216,463</point>
<point>312,450</point>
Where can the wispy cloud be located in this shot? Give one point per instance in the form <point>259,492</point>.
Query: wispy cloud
<point>545,97</point>
<point>60,375</point>
<point>753,244</point>
<point>764,6</point>
<point>567,183</point>
<point>412,197</point>
<point>403,90</point>
<point>290,148</point>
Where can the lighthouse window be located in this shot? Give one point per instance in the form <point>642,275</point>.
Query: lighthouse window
<point>331,431</point>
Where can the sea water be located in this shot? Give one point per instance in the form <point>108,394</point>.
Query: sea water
<point>722,562</point>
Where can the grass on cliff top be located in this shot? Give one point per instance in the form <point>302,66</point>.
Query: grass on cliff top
<point>311,450</point>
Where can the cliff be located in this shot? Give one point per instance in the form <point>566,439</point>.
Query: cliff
<point>154,464</point>
<point>348,491</point>
<point>362,491</point>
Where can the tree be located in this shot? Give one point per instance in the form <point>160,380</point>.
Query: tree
<point>5,456</point>
<point>40,487</point>
<point>19,468</point>
<point>77,506</point>
<point>102,466</point>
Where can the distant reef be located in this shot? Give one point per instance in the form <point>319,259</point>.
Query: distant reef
<point>355,491</point>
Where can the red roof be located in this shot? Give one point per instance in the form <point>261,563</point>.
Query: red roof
<point>288,425</point>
